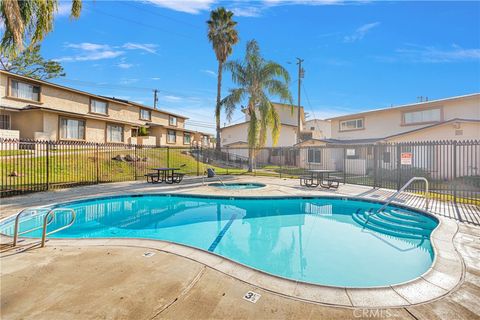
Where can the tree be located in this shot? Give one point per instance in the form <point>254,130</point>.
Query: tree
<point>31,64</point>
<point>258,80</point>
<point>27,22</point>
<point>223,36</point>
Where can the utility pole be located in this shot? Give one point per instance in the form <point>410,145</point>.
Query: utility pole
<point>155,98</point>
<point>301,74</point>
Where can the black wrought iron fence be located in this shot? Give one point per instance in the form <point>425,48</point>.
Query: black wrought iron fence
<point>452,167</point>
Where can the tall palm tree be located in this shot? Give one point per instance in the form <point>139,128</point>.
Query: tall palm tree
<point>223,36</point>
<point>28,21</point>
<point>258,80</point>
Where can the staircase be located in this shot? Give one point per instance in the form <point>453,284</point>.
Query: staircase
<point>396,222</point>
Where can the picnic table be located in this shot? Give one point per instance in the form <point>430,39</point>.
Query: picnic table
<point>319,177</point>
<point>167,175</point>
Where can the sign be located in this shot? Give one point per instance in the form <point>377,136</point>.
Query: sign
<point>252,296</point>
<point>406,158</point>
<point>350,152</point>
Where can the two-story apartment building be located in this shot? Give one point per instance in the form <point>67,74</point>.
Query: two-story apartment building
<point>455,118</point>
<point>235,135</point>
<point>41,110</point>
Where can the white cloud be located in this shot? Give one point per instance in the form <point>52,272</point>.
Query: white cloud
<point>125,81</point>
<point>430,54</point>
<point>91,56</point>
<point>172,98</point>
<point>188,6</point>
<point>247,11</point>
<point>64,8</point>
<point>87,51</point>
<point>240,8</point>
<point>148,47</point>
<point>123,65</point>
<point>156,78</point>
<point>361,32</point>
<point>87,46</point>
<point>209,72</point>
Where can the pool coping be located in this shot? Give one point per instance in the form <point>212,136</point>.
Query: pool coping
<point>445,274</point>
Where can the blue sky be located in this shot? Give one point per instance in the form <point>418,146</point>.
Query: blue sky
<point>358,55</point>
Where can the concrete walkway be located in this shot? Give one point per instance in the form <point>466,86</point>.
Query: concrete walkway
<point>112,282</point>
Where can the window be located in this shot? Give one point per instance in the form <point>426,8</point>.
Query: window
<point>134,132</point>
<point>5,121</point>
<point>187,138</point>
<point>386,157</point>
<point>354,124</point>
<point>314,155</point>
<point>205,140</point>
<point>171,136</point>
<point>172,121</point>
<point>98,106</point>
<point>114,133</point>
<point>312,128</point>
<point>422,116</point>
<point>72,129</point>
<point>145,114</point>
<point>24,90</point>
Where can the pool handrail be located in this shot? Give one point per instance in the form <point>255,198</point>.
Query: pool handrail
<point>393,196</point>
<point>16,227</point>
<point>47,220</point>
<point>45,223</point>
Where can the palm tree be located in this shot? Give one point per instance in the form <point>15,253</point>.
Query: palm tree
<point>27,22</point>
<point>223,36</point>
<point>258,79</point>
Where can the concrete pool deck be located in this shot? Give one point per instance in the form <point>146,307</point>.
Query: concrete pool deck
<point>453,289</point>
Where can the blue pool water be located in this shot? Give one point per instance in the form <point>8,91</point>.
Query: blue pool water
<point>238,185</point>
<point>316,240</point>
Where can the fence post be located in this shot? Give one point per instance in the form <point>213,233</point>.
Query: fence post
<point>281,161</point>
<point>97,163</point>
<point>135,162</point>
<point>375,164</point>
<point>454,145</point>
<point>228,161</point>
<point>199,150</point>
<point>168,157</point>
<point>344,165</point>
<point>399,167</point>
<point>48,163</point>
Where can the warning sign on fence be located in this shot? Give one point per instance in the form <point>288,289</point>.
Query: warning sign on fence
<point>406,158</point>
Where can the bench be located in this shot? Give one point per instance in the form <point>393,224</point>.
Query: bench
<point>308,181</point>
<point>152,177</point>
<point>175,178</point>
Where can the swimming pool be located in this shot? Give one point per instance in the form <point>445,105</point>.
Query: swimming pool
<point>315,240</point>
<point>238,185</point>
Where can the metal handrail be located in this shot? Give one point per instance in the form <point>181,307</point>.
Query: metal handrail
<point>392,197</point>
<point>16,232</point>
<point>46,223</point>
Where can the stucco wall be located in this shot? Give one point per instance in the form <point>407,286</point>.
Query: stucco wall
<point>457,131</point>
<point>384,123</point>
<point>236,133</point>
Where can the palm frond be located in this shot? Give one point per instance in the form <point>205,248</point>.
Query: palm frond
<point>272,69</point>
<point>230,102</point>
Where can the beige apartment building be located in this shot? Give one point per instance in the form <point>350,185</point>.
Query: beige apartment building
<point>40,110</point>
<point>449,119</point>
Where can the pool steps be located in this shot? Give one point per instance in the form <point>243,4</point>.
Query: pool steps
<point>400,223</point>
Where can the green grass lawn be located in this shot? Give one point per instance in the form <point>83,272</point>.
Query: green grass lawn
<point>5,153</point>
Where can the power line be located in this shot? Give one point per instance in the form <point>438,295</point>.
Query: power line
<point>311,108</point>
<point>126,3</point>
<point>140,23</point>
